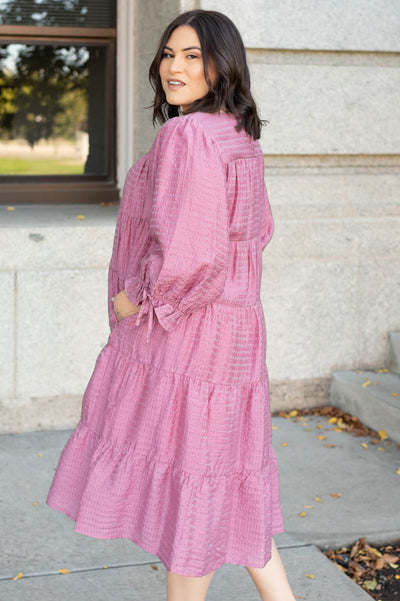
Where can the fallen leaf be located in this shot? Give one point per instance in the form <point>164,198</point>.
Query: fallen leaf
<point>319,426</point>
<point>385,560</point>
<point>40,454</point>
<point>80,216</point>
<point>311,576</point>
<point>105,567</point>
<point>293,413</point>
<point>302,514</point>
<point>371,584</point>
<point>379,449</point>
<point>10,209</point>
<point>398,471</point>
<point>383,371</point>
<point>364,445</point>
<point>318,499</point>
<point>309,506</point>
<point>64,571</point>
<point>275,427</point>
<point>306,429</point>
<point>395,394</point>
<point>34,503</point>
<point>337,430</point>
<point>397,576</point>
<point>383,434</point>
<point>321,437</point>
<point>332,420</point>
<point>366,383</point>
<point>330,446</point>
<point>373,551</point>
<point>17,577</point>
<point>284,444</point>
<point>335,495</point>
<point>394,566</point>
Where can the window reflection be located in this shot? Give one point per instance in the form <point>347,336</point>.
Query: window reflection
<point>52,110</point>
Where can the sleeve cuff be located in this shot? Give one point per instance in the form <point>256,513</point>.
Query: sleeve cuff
<point>135,290</point>
<point>167,315</point>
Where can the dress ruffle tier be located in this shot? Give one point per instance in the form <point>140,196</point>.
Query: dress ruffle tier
<point>198,494</point>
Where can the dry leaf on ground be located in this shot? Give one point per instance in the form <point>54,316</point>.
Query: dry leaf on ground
<point>375,569</point>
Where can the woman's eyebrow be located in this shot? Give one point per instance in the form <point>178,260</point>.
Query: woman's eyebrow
<point>184,49</point>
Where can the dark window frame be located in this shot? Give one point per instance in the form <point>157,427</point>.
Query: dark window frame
<point>56,189</point>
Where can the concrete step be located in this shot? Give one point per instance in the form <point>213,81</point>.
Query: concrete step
<point>372,396</point>
<point>394,352</point>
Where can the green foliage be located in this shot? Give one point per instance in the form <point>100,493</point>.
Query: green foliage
<point>46,94</point>
<point>7,103</point>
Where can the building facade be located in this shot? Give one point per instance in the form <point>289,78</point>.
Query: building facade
<point>326,77</point>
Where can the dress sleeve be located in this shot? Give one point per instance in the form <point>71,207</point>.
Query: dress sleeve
<point>185,267</point>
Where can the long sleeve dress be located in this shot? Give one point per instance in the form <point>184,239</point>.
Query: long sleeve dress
<point>173,448</point>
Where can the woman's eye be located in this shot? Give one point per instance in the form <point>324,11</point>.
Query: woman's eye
<point>192,56</point>
<point>167,55</point>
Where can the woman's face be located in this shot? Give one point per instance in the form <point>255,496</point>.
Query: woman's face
<point>182,69</point>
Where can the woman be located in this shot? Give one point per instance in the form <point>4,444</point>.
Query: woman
<point>173,450</point>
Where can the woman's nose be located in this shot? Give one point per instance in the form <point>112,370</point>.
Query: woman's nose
<point>176,65</point>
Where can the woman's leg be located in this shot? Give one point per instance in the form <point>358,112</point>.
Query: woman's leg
<point>187,588</point>
<point>271,580</point>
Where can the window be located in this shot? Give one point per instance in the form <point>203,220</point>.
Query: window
<point>57,101</point>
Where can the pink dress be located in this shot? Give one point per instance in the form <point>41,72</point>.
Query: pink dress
<point>173,449</point>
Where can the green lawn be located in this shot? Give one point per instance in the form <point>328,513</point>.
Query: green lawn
<point>39,167</point>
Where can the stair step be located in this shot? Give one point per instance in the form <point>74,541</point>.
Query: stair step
<point>394,352</point>
<point>377,405</point>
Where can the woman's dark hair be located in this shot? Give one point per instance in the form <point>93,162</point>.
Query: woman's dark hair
<point>222,45</point>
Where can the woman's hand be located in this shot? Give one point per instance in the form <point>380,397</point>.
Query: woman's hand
<point>123,306</point>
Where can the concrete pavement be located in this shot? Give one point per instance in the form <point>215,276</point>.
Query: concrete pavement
<point>37,541</point>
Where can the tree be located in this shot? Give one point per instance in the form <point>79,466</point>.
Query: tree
<point>45,77</point>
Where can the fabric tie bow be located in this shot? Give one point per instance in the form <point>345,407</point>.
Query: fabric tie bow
<point>146,309</point>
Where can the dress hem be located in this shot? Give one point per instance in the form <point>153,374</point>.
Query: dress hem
<point>169,566</point>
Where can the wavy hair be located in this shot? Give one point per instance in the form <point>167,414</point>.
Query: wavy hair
<point>222,45</point>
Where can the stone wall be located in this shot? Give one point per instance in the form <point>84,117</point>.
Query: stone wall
<point>325,75</point>
<point>53,310</point>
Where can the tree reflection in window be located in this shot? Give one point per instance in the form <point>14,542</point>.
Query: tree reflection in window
<point>45,92</point>
<point>57,100</point>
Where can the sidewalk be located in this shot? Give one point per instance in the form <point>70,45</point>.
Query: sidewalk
<point>38,541</point>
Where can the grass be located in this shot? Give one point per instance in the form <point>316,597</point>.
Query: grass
<point>45,166</point>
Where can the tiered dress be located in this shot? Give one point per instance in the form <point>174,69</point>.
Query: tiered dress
<point>173,449</point>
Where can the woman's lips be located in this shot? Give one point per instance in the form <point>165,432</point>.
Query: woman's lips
<point>175,84</point>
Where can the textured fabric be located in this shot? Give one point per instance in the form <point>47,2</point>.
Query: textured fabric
<point>173,449</point>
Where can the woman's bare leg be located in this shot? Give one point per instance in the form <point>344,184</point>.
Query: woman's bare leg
<point>187,588</point>
<point>271,580</point>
